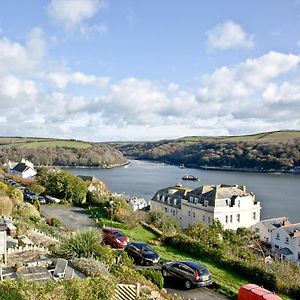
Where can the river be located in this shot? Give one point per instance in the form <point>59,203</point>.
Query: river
<point>279,194</point>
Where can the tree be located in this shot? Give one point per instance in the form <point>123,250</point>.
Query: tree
<point>66,186</point>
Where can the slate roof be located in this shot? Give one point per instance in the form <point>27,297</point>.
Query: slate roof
<point>274,223</point>
<point>292,230</point>
<point>285,251</point>
<point>214,194</point>
<point>172,195</point>
<point>20,167</point>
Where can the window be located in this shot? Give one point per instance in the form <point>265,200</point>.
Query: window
<point>239,203</point>
<point>238,217</point>
<point>298,255</point>
<point>157,196</point>
<point>226,219</point>
<point>205,203</point>
<point>254,215</point>
<point>257,230</point>
<point>196,200</point>
<point>203,218</point>
<point>287,240</point>
<point>189,213</point>
<point>191,199</point>
<point>174,212</point>
<point>194,215</point>
<point>276,247</point>
<point>163,198</point>
<point>209,220</point>
<point>230,218</point>
<point>166,209</point>
<point>277,236</point>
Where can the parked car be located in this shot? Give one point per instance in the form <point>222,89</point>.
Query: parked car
<point>142,253</point>
<point>42,200</point>
<point>52,200</point>
<point>189,272</point>
<point>114,237</point>
<point>255,292</point>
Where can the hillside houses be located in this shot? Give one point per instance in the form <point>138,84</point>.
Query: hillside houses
<point>232,205</point>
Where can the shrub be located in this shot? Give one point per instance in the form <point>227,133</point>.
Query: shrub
<point>97,198</point>
<point>36,188</point>
<point>91,267</point>
<point>24,209</point>
<point>53,221</point>
<point>163,222</point>
<point>6,206</point>
<point>128,217</point>
<point>81,244</point>
<point>154,276</point>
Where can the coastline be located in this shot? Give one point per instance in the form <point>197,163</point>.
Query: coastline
<point>216,168</point>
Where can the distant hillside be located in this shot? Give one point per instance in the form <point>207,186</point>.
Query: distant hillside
<point>43,151</point>
<point>279,150</point>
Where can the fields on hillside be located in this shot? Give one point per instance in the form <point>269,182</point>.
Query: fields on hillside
<point>20,142</point>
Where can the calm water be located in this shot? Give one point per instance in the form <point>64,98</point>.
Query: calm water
<point>279,194</point>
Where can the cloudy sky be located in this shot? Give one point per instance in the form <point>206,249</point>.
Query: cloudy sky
<point>147,70</point>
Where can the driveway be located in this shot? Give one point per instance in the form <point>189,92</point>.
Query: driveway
<point>71,217</point>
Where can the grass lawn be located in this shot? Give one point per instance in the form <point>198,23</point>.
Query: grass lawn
<point>227,282</point>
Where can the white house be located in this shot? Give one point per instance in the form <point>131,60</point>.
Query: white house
<point>230,204</point>
<point>137,203</point>
<point>23,169</point>
<point>264,228</point>
<point>285,241</point>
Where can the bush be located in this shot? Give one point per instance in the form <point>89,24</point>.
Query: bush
<point>6,206</point>
<point>24,209</point>
<point>36,188</point>
<point>154,276</point>
<point>97,198</point>
<point>81,244</point>
<point>91,267</point>
<point>163,222</point>
<point>53,221</point>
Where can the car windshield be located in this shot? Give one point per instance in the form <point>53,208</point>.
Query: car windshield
<point>118,234</point>
<point>146,249</point>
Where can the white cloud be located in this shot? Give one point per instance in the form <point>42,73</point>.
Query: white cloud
<point>286,92</point>
<point>71,13</point>
<point>63,79</point>
<point>22,58</point>
<point>229,35</point>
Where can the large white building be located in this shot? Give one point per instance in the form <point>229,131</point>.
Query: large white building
<point>232,205</point>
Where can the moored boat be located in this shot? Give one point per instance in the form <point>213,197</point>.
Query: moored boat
<point>190,177</point>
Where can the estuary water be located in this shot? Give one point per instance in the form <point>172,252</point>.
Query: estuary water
<point>279,194</point>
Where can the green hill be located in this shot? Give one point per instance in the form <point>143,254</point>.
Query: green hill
<point>278,150</point>
<point>59,152</point>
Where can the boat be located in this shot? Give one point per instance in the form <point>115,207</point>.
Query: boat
<point>190,177</point>
<point>181,166</point>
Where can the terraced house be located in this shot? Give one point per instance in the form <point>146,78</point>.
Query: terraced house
<point>232,205</point>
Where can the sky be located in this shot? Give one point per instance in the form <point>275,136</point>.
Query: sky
<point>106,70</point>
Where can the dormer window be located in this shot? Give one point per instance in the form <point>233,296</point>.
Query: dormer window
<point>196,200</point>
<point>191,199</point>
<point>205,203</point>
<point>158,197</point>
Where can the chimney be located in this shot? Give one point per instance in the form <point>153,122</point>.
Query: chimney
<point>285,222</point>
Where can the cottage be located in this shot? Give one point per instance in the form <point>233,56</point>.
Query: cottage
<point>285,242</point>
<point>23,169</point>
<point>232,205</point>
<point>264,228</point>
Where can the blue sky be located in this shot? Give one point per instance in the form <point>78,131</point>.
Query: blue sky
<point>138,70</point>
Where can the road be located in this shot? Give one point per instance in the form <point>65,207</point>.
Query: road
<point>74,218</point>
<point>71,217</point>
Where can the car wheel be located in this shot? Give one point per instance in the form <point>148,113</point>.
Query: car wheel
<point>187,284</point>
<point>164,272</point>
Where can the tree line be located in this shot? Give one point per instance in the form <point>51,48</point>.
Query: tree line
<point>97,156</point>
<point>240,154</point>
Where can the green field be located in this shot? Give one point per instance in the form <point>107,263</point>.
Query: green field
<point>274,136</point>
<point>20,142</point>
